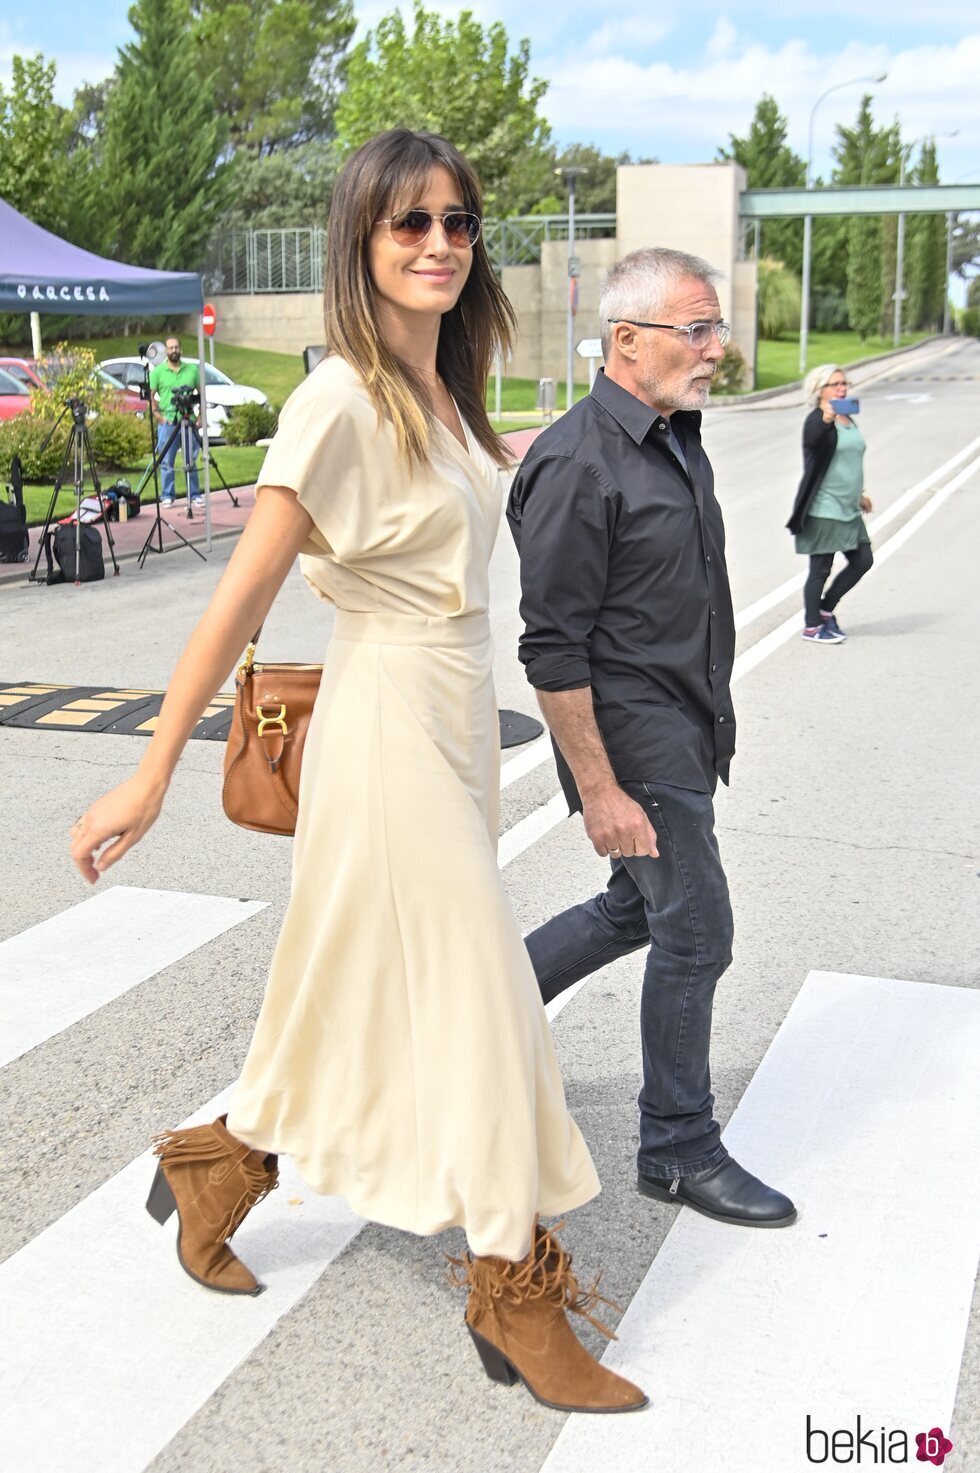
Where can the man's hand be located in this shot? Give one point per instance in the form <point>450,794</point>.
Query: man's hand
<point>865,503</point>
<point>617,825</point>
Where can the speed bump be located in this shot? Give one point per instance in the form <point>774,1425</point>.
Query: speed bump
<point>131,712</point>
<point>97,708</point>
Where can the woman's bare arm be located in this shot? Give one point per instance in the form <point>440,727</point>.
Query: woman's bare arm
<point>273,536</point>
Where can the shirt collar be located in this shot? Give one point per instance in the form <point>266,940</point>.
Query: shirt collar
<point>635,417</point>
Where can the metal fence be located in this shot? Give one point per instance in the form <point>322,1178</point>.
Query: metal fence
<point>253,261</point>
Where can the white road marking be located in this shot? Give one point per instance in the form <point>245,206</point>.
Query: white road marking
<point>533,756</point>
<point>64,968</point>
<point>108,1348</point>
<point>911,398</point>
<point>530,829</point>
<point>860,1307</point>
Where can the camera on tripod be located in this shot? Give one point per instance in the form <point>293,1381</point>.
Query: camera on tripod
<point>79,411</point>
<point>186,399</point>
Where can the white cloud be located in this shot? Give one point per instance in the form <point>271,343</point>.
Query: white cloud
<point>638,32</point>
<point>683,113</point>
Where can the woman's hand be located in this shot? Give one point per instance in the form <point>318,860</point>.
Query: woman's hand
<point>828,412</point>
<point>124,815</point>
<point>865,503</point>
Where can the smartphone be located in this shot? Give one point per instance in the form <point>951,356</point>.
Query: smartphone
<point>845,406</point>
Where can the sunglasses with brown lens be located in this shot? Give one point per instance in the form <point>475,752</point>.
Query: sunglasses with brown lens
<point>412,226</point>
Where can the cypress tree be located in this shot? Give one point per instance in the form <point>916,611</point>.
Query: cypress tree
<point>163,180</point>
<point>926,254</point>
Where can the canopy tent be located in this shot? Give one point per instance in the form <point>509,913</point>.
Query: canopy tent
<point>40,272</point>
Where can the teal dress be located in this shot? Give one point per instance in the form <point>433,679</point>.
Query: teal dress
<point>834,522</point>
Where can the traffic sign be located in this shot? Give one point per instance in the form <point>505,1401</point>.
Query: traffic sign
<point>209,319</point>
<point>589,348</point>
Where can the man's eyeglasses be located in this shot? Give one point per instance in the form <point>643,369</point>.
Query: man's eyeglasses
<point>410,228</point>
<point>698,333</point>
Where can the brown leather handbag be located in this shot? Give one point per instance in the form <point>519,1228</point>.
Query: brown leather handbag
<point>273,706</point>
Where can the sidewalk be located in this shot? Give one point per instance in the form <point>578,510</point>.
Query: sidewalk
<point>128,537</point>
<point>226,521</point>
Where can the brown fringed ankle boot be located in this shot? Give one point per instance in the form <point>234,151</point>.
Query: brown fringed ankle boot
<point>516,1314</point>
<point>212,1181</point>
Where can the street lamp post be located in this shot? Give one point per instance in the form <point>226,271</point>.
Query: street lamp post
<point>570,174</point>
<point>904,153</point>
<point>808,219</point>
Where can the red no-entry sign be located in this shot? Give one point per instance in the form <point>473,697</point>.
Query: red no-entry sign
<point>209,319</point>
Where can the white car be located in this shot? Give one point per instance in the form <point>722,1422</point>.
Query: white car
<point>222,392</point>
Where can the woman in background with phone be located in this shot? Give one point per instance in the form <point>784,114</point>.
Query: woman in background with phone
<point>828,513</point>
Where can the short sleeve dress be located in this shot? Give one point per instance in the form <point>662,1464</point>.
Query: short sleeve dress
<point>402,1055</point>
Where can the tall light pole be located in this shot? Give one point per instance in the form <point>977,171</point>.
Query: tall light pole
<point>808,219</point>
<point>950,224</point>
<point>570,174</point>
<point>904,153</point>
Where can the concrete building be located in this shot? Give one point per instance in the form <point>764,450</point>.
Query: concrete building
<point>692,207</point>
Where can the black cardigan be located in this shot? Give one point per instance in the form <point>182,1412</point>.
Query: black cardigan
<point>819,444</point>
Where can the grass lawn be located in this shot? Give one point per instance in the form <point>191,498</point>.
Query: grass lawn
<point>239,464</point>
<point>779,361</point>
<point>276,374</point>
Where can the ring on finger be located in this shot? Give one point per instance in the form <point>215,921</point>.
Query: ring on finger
<point>615,853</point>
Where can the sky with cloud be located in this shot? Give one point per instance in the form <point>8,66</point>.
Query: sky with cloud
<point>671,84</point>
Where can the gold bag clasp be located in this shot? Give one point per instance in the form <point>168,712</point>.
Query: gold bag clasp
<point>278,720</point>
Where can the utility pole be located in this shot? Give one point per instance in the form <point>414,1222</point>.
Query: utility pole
<point>570,174</point>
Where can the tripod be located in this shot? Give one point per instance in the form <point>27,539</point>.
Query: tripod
<point>182,425</point>
<point>78,448</point>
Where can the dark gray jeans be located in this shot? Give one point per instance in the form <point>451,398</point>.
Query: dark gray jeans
<point>677,905</point>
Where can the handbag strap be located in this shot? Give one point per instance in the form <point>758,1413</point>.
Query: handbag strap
<point>246,666</point>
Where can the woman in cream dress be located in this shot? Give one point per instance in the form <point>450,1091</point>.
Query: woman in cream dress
<point>402,1056</point>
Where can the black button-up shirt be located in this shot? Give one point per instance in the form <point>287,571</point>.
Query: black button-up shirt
<point>625,587</point>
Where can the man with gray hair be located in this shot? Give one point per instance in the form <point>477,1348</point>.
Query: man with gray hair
<point>629,642</point>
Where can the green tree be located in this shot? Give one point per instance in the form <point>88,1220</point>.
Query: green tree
<point>450,76</point>
<point>163,186</point>
<point>779,297</point>
<point>925,273</point>
<point>275,67</point>
<point>867,154</point>
<point>34,134</point>
<point>291,187</point>
<point>771,164</point>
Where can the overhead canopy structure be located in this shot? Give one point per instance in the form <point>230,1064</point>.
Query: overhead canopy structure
<point>40,272</point>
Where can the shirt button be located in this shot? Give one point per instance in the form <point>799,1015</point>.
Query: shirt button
<point>712,613</point>
<point>714,667</point>
<point>721,720</point>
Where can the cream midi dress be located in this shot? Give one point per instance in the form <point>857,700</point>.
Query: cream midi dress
<point>402,1055</point>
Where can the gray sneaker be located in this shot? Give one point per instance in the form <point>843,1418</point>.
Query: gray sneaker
<point>822,635</point>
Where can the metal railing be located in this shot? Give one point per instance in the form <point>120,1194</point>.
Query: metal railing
<point>253,261</point>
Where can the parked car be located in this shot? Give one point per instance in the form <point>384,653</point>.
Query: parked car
<point>15,398</point>
<point>222,392</point>
<point>22,369</point>
<point>25,371</point>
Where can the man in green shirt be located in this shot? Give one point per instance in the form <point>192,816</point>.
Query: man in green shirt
<point>164,378</point>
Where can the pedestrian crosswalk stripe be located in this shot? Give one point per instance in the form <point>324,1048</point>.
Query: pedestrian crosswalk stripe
<point>67,966</point>
<point>108,1347</point>
<point>861,1111</point>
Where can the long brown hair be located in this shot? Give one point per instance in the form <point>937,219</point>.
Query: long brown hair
<point>380,177</point>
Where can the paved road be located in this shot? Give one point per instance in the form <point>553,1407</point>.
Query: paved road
<point>849,837</point>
